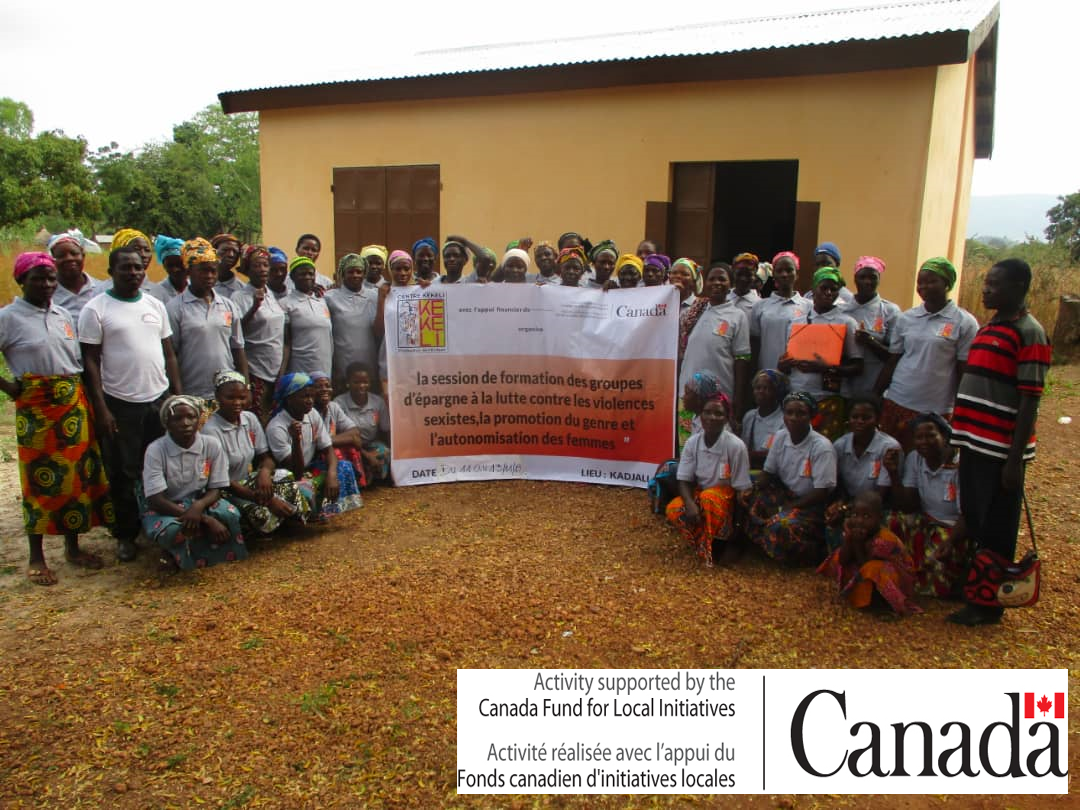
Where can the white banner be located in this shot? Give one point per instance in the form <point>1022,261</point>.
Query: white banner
<point>520,381</point>
<point>762,731</point>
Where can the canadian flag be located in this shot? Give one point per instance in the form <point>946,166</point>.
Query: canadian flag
<point>1043,705</point>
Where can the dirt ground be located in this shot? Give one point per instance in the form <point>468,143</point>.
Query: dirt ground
<point>322,671</point>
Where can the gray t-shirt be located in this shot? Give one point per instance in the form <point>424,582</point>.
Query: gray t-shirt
<point>930,345</point>
<point>878,317</point>
<point>39,341</point>
<point>720,335</point>
<point>242,443</point>
<point>264,334</point>
<point>758,431</point>
<point>939,490</point>
<point>314,436</point>
<point>204,336</point>
<point>311,334</point>
<point>352,315</point>
<point>860,473</point>
<point>182,471</point>
<point>74,302</point>
<point>373,418</point>
<point>812,383</point>
<point>802,467</point>
<point>163,291</point>
<point>726,462</point>
<point>769,323</point>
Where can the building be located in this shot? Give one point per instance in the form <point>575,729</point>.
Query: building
<point>858,126</point>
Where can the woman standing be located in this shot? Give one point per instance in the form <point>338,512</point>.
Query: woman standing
<point>603,258</point>
<point>75,286</point>
<point>353,308</point>
<point>655,270</point>
<point>571,266</point>
<point>547,262</point>
<point>227,247</point>
<point>262,319</point>
<point>168,252</point>
<point>771,317</point>
<point>63,481</point>
<point>875,319</point>
<point>310,334</point>
<point>822,381</point>
<point>375,256</point>
<point>184,473</point>
<point>926,354</point>
<point>424,254</point>
<point>264,496</point>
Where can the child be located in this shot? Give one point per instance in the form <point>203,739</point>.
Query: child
<point>872,565</point>
<point>714,464</point>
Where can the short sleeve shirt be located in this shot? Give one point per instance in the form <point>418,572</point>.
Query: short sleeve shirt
<point>745,302</point>
<point>39,341</point>
<point>812,383</point>
<point>204,337</point>
<point>336,419</point>
<point>314,436</point>
<point>878,317</point>
<point>242,442</point>
<point>372,418</point>
<point>802,467</point>
<point>264,333</point>
<point>769,322</point>
<point>861,473</point>
<point>352,315</point>
<point>930,345</point>
<point>726,462</point>
<point>758,431</point>
<point>720,335</point>
<point>939,490</point>
<point>310,332</point>
<point>231,287</point>
<point>163,291</point>
<point>130,334</point>
<point>181,472</point>
<point>74,302</point>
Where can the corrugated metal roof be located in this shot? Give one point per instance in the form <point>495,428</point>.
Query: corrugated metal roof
<point>729,35</point>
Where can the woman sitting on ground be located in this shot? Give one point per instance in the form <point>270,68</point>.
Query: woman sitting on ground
<point>300,442</point>
<point>787,505</point>
<point>369,413</point>
<point>714,464</point>
<point>760,424</point>
<point>872,567</point>
<point>344,434</point>
<point>265,497</point>
<point>60,468</point>
<point>184,473</point>
<point>928,496</point>
<point>860,462</point>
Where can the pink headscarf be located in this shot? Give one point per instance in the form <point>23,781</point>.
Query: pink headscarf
<point>870,261</point>
<point>787,254</point>
<point>25,262</point>
<point>398,254</point>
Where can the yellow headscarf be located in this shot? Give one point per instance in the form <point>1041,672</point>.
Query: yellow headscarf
<point>197,251</point>
<point>125,236</point>
<point>629,258</point>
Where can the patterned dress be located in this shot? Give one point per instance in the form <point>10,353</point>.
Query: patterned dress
<point>889,571</point>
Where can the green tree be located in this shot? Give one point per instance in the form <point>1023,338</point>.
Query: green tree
<point>45,176</point>
<point>1064,227</point>
<point>16,119</point>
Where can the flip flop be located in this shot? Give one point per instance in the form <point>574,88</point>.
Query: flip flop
<point>85,559</point>
<point>41,576</point>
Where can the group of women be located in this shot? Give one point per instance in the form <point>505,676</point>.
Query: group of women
<point>845,464</point>
<point>257,439</point>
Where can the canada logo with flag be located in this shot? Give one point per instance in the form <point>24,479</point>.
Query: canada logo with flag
<point>1044,705</point>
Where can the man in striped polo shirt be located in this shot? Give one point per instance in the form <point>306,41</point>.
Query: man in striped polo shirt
<point>994,418</point>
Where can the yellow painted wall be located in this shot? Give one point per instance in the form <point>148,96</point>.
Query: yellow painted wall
<point>543,163</point>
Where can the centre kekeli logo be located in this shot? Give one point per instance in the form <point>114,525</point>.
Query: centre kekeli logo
<point>421,321</point>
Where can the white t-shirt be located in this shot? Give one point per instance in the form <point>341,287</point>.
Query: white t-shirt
<point>130,335</point>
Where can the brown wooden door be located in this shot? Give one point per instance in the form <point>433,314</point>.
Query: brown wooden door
<point>384,205</point>
<point>693,209</point>
<point>807,216</point>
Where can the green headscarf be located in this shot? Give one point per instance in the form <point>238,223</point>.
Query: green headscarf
<point>827,274</point>
<point>941,266</point>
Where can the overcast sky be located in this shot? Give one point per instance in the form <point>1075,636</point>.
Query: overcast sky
<point>126,71</point>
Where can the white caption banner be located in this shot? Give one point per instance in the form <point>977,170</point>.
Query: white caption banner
<point>762,731</point>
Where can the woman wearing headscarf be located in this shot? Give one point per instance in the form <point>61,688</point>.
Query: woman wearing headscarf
<point>60,468</point>
<point>262,319</point>
<point>927,350</point>
<point>685,276</point>
<point>228,251</point>
<point>823,381</point>
<point>628,271</point>
<point>603,257</point>
<point>168,252</point>
<point>875,319</point>
<point>546,259</point>
<point>264,496</point>
<point>698,389</point>
<point>138,240</point>
<point>655,269</point>
<point>787,504</point>
<point>515,266</point>
<point>377,272</point>
<point>572,265</point>
<point>278,281</point>
<point>300,442</point>
<point>401,276</point>
<point>762,422</point>
<point>75,286</point>
<point>771,317</point>
<point>743,273</point>
<point>353,309</point>
<point>184,473</point>
<point>455,255</point>
<point>309,330</point>
<point>424,256</point>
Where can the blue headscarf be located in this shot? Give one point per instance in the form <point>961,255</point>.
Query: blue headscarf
<point>165,246</point>
<point>829,249</point>
<point>705,384</point>
<point>277,256</point>
<point>427,240</point>
<point>778,379</point>
<point>288,385</point>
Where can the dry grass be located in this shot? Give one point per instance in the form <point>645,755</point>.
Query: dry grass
<point>97,265</point>
<point>1049,282</point>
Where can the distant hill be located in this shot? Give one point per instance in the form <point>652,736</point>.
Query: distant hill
<point>1012,216</point>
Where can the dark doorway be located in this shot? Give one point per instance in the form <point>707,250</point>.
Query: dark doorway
<point>722,208</point>
<point>384,205</point>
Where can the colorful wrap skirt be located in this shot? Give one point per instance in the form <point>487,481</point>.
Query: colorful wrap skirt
<point>256,519</point>
<point>64,490</point>
<point>791,536</point>
<point>831,417</point>
<point>896,421</point>
<point>890,572</point>
<point>195,551</point>
<point>717,506</point>
<point>348,491</point>
<point>941,562</point>
<point>684,425</point>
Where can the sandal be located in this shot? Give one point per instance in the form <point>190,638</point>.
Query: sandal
<point>84,559</point>
<point>41,575</point>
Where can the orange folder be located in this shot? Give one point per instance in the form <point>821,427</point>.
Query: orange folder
<point>808,340</point>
